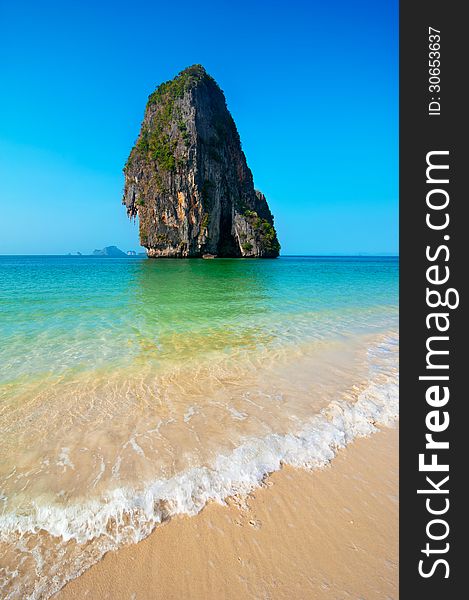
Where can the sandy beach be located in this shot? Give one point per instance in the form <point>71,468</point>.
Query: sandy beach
<point>329,533</point>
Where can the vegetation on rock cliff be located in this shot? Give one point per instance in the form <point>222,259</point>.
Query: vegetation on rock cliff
<point>158,142</point>
<point>187,177</point>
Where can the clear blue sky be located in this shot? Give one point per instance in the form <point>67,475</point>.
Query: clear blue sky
<point>312,86</point>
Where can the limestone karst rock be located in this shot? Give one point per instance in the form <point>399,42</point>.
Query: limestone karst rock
<point>187,178</point>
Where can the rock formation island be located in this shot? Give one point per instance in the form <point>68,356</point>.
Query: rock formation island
<point>187,178</point>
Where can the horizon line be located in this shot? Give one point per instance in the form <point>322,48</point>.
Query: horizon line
<point>141,255</point>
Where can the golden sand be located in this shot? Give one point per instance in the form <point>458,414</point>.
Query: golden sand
<point>330,533</point>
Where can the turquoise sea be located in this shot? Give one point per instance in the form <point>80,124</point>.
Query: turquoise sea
<point>134,389</point>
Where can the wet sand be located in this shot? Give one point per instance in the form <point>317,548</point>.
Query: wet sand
<point>323,534</point>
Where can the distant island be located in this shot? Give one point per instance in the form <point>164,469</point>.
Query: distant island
<point>188,181</point>
<point>113,252</point>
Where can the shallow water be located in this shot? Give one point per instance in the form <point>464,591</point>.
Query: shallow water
<point>133,389</point>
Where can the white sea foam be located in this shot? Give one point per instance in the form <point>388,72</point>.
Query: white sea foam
<point>313,446</point>
<point>127,515</point>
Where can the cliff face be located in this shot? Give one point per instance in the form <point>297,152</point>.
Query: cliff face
<point>187,179</point>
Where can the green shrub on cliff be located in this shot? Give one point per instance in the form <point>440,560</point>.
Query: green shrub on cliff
<point>162,151</point>
<point>269,237</point>
<point>205,221</point>
<point>175,88</point>
<point>156,143</point>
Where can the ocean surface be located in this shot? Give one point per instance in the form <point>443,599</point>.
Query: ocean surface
<point>133,389</point>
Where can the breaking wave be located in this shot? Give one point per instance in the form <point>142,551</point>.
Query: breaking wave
<point>127,515</point>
